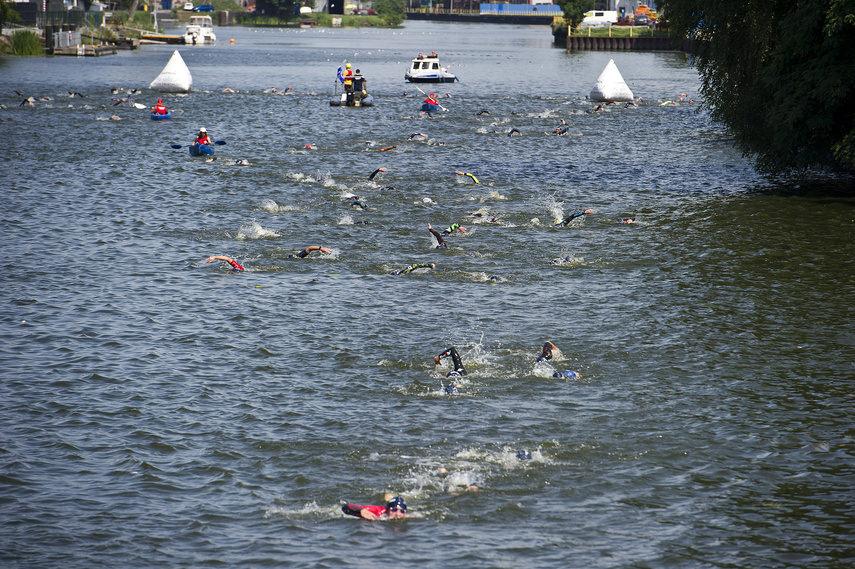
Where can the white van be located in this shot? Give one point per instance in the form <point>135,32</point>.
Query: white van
<point>599,19</point>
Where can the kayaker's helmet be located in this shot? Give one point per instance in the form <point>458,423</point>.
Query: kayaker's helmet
<point>348,66</point>
<point>203,129</point>
<point>159,101</point>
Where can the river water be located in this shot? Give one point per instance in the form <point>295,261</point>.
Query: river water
<point>159,411</point>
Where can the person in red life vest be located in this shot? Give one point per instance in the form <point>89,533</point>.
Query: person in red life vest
<point>160,108</point>
<point>431,100</point>
<point>395,508</point>
<point>235,265</point>
<point>202,137</point>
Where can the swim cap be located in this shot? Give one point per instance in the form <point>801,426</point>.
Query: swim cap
<point>160,100</point>
<point>397,503</point>
<point>523,455</point>
<point>453,373</point>
<point>348,66</point>
<point>203,129</point>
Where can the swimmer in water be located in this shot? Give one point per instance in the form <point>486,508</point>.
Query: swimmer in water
<point>523,455</point>
<point>413,267</point>
<point>573,216</point>
<point>459,173</point>
<point>395,508</point>
<point>355,202</point>
<point>439,240</point>
<point>235,265</point>
<point>566,374</point>
<point>305,252</point>
<point>451,352</point>
<point>484,112</point>
<point>415,134</point>
<point>627,220</point>
<point>560,130</point>
<point>546,353</point>
<point>375,172</point>
<point>515,130</point>
<point>452,228</point>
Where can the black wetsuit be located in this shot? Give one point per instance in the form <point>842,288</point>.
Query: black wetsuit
<point>411,268</point>
<point>439,239</point>
<point>546,354</point>
<point>455,359</point>
<point>570,218</point>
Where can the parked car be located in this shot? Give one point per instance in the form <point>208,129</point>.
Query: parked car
<point>204,8</point>
<point>641,20</point>
<point>189,6</point>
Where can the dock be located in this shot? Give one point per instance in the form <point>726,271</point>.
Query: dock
<point>147,37</point>
<point>83,50</point>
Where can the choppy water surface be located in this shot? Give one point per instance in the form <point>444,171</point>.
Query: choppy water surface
<point>158,411</point>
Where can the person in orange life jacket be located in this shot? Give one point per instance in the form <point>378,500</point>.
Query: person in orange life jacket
<point>202,137</point>
<point>160,108</point>
<point>395,508</point>
<point>348,79</point>
<point>431,100</point>
<point>228,260</point>
<point>455,359</point>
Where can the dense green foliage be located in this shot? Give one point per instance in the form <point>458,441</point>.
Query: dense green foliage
<point>779,74</point>
<point>574,10</point>
<point>391,11</point>
<point>25,42</point>
<point>7,14</point>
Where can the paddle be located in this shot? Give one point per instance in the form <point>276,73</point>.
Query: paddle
<point>178,146</point>
<point>437,103</point>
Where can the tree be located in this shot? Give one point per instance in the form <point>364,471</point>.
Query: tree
<point>7,14</point>
<point>574,11</point>
<point>780,75</point>
<point>392,11</point>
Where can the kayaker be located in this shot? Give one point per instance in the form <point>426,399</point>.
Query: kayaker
<point>202,137</point>
<point>431,100</point>
<point>455,359</point>
<point>395,508</point>
<point>160,108</point>
<point>305,252</point>
<point>573,216</point>
<point>235,265</point>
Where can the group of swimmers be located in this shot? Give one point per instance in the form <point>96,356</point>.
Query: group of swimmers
<point>396,506</point>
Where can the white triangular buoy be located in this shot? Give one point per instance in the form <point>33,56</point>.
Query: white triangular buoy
<point>175,77</point>
<point>610,85</point>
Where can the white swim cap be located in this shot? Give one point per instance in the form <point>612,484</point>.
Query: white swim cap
<point>202,129</point>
